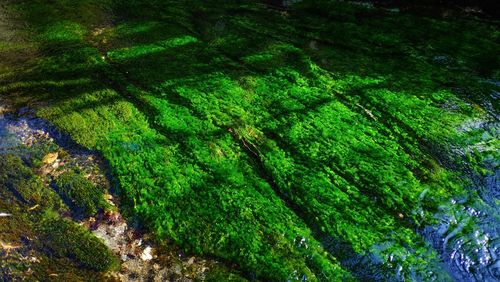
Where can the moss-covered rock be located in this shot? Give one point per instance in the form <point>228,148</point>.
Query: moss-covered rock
<point>67,251</point>
<point>80,192</point>
<point>66,238</point>
<point>25,185</point>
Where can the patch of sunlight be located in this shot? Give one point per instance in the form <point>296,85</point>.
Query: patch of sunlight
<point>14,46</point>
<point>159,46</point>
<point>51,83</point>
<point>178,41</point>
<point>64,31</point>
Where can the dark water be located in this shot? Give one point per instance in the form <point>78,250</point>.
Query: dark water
<point>467,235</point>
<point>8,140</point>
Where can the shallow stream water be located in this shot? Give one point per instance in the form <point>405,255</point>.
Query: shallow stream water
<point>468,229</point>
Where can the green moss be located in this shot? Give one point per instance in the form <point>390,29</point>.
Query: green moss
<point>67,239</point>
<point>81,193</point>
<point>63,31</point>
<point>26,186</point>
<point>248,134</point>
<point>150,49</point>
<point>220,273</point>
<point>24,195</point>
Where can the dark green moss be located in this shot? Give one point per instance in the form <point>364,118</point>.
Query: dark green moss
<point>24,196</point>
<point>220,273</point>
<point>65,238</point>
<point>80,192</point>
<point>25,185</point>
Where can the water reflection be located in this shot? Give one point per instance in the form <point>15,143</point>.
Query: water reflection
<point>8,140</point>
<point>466,234</point>
<point>466,237</point>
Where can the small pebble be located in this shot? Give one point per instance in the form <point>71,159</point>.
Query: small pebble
<point>146,254</point>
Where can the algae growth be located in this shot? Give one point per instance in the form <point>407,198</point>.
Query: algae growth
<point>315,142</point>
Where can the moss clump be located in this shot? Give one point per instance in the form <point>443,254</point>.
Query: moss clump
<point>27,187</point>
<point>85,196</point>
<point>65,238</point>
<point>24,195</point>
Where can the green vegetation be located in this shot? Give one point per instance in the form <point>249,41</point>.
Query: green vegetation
<point>80,192</point>
<point>66,238</point>
<point>255,135</point>
<point>33,208</point>
<point>26,186</point>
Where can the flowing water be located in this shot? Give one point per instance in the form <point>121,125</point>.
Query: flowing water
<point>467,235</point>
